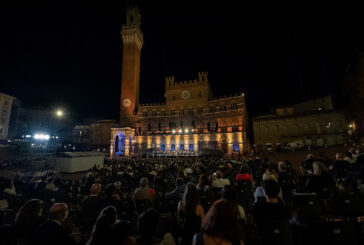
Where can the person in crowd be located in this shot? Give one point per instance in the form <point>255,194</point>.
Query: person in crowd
<point>320,180</point>
<point>147,230</point>
<point>144,192</point>
<point>286,180</point>
<point>92,205</point>
<point>244,174</point>
<point>50,186</point>
<point>230,195</point>
<point>306,165</point>
<point>112,198</point>
<point>272,209</point>
<point>190,213</point>
<point>219,181</point>
<point>102,232</point>
<point>178,192</point>
<point>203,184</point>
<point>27,219</point>
<point>259,191</point>
<point>51,231</point>
<point>9,187</point>
<point>220,225</point>
<point>339,167</point>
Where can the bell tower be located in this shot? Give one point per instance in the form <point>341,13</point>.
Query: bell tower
<point>132,44</point>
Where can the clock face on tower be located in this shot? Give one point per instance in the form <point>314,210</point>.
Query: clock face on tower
<point>126,102</point>
<point>185,94</point>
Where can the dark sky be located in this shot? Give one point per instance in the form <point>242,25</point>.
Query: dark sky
<point>69,54</point>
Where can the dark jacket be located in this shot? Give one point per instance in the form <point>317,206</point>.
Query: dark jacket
<point>51,233</point>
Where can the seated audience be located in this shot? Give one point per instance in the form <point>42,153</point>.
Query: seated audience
<point>244,174</point>
<point>27,220</point>
<point>92,206</point>
<point>219,181</point>
<point>51,231</point>
<point>190,213</point>
<point>220,225</point>
<point>320,180</point>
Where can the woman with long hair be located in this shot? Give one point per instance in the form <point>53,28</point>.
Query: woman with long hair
<point>27,219</point>
<point>190,213</point>
<point>102,232</point>
<point>220,225</point>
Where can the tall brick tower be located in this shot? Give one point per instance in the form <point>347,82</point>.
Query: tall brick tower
<point>132,44</point>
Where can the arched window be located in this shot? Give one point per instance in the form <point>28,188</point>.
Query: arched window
<point>236,147</point>
<point>163,147</point>
<point>190,147</point>
<point>173,147</point>
<point>181,147</point>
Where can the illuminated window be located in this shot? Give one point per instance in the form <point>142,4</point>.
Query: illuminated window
<point>181,147</point>
<point>163,147</point>
<point>236,147</point>
<point>173,147</point>
<point>234,106</point>
<point>190,147</point>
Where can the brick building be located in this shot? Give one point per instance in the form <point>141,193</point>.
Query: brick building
<point>191,119</point>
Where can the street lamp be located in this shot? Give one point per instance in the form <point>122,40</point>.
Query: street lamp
<point>59,113</point>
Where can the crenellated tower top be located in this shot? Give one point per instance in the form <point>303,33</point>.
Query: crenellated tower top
<point>130,31</point>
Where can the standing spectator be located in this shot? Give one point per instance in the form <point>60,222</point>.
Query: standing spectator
<point>306,165</point>
<point>272,209</point>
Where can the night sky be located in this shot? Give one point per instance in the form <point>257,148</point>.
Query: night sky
<point>69,54</point>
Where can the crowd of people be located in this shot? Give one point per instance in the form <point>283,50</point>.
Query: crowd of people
<point>190,200</point>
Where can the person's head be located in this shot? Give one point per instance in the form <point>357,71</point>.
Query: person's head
<point>271,189</point>
<point>109,190</point>
<point>229,193</point>
<point>104,224</point>
<point>310,156</point>
<point>270,174</point>
<point>29,212</point>
<point>244,169</point>
<point>282,166</point>
<point>358,151</point>
<point>221,220</point>
<point>117,185</point>
<point>147,225</point>
<point>203,180</point>
<point>144,182</point>
<point>95,189</point>
<point>191,198</point>
<point>59,212</point>
<point>339,156</point>
<point>219,174</point>
<point>318,168</point>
